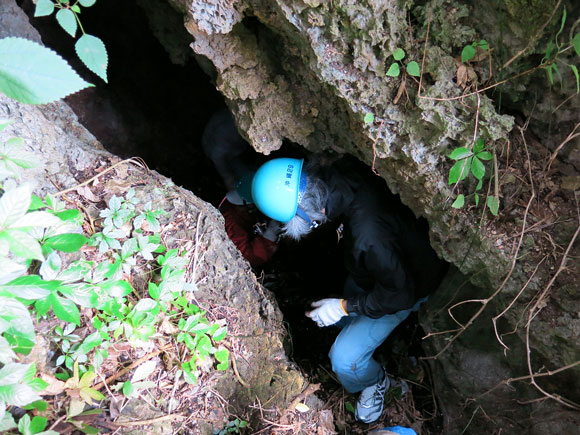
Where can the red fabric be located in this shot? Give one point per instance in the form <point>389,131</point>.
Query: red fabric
<point>240,229</point>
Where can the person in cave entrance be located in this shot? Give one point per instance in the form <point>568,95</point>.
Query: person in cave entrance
<point>234,159</point>
<point>390,263</point>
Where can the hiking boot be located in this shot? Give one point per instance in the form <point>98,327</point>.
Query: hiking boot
<point>369,406</point>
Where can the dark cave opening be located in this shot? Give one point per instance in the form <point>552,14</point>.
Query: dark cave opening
<point>157,110</point>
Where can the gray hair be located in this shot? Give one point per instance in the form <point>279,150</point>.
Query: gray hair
<point>312,201</point>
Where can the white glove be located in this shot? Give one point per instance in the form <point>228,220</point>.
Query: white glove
<point>327,312</point>
<point>272,230</point>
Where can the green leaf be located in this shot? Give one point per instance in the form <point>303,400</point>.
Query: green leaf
<point>22,245</point>
<point>13,373</point>
<point>459,153</point>
<point>576,43</point>
<point>117,289</point>
<point>549,72</point>
<point>493,204</point>
<point>87,3</point>
<point>204,344</point>
<point>222,356</point>
<point>349,407</point>
<point>413,69</point>
<point>36,203</point>
<point>483,44</point>
<point>128,389</point>
<point>91,50</point>
<point>477,168</point>
<point>7,355</point>
<point>44,8</point>
<point>5,123</point>
<point>18,394</point>
<point>69,242</point>
<point>476,197</point>
<point>20,334</point>
<point>459,171</point>
<point>220,333</point>
<point>30,287</point>
<point>459,201</point>
<point>38,424</point>
<point>394,70</point>
<point>143,371</point>
<point>66,19</point>
<point>478,146</point>
<point>564,14</point>
<point>369,117</point>
<point>33,74</point>
<point>89,343</point>
<point>15,202</point>
<point>7,422</point>
<point>76,9</point>
<point>479,185</point>
<point>39,405</point>
<point>575,71</point>
<point>24,425</point>
<point>65,309</point>
<point>485,155</point>
<point>399,54</point>
<point>467,53</point>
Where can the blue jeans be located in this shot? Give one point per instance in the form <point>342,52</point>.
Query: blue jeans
<point>352,351</point>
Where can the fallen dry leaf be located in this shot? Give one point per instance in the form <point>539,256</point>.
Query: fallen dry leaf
<point>55,386</point>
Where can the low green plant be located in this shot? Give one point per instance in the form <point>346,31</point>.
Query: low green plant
<point>90,49</point>
<point>554,49</point>
<point>469,51</point>
<point>233,426</point>
<point>471,161</point>
<point>395,68</point>
<point>369,118</point>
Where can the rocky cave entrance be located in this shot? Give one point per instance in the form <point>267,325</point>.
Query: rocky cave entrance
<point>157,109</point>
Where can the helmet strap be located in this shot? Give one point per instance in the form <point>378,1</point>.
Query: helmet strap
<point>301,213</point>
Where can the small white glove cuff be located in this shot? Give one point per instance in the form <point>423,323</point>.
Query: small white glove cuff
<point>327,312</point>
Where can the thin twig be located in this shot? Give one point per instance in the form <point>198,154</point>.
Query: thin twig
<point>534,39</point>
<point>135,160</point>
<point>149,421</point>
<point>573,135</point>
<point>130,367</point>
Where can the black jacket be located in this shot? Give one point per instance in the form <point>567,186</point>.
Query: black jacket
<point>387,249</point>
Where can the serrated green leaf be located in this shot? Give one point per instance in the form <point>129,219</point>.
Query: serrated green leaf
<point>413,69</point>
<point>575,71</point>
<point>394,70</point>
<point>477,168</point>
<point>485,155</point>
<point>14,203</point>
<point>18,394</point>
<point>369,117</point>
<point>69,242</point>
<point>204,344</point>
<point>459,201</point>
<point>117,289</point>
<point>24,425</point>
<point>13,373</point>
<point>576,43</point>
<point>44,8</point>
<point>87,3</point>
<point>33,74</point>
<point>459,153</point>
<point>66,19</point>
<point>399,54</point>
<point>40,219</point>
<point>467,53</point>
<point>459,171</point>
<point>22,245</point>
<point>30,287</point>
<point>7,355</point>
<point>91,50</point>
<point>493,204</point>
<point>65,309</point>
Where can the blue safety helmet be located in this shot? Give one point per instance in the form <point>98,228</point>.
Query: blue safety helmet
<point>276,186</point>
